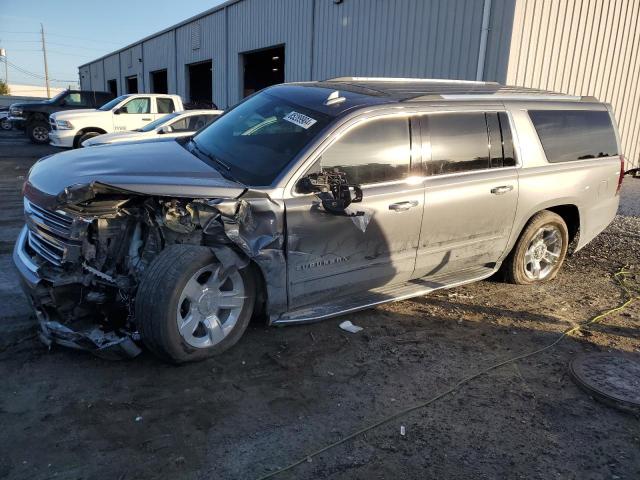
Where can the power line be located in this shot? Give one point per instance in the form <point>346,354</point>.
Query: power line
<point>32,74</point>
<point>94,40</point>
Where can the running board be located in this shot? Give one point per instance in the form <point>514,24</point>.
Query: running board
<point>386,294</point>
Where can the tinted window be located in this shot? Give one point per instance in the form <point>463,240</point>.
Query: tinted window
<point>508,152</point>
<point>568,135</point>
<point>376,151</point>
<point>181,125</point>
<point>459,142</point>
<point>260,136</point>
<point>156,123</point>
<point>137,105</point>
<point>165,105</point>
<point>75,99</point>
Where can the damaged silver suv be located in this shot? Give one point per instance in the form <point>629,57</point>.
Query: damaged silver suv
<point>311,200</point>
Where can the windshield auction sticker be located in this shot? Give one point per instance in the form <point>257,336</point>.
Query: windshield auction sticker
<point>300,120</point>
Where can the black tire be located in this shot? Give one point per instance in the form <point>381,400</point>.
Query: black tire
<point>156,305</point>
<point>5,124</point>
<point>35,132</point>
<point>86,136</point>
<point>515,266</point>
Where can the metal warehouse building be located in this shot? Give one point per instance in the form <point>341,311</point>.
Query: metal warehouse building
<point>580,47</point>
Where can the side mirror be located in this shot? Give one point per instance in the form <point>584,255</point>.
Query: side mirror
<point>166,129</point>
<point>333,190</point>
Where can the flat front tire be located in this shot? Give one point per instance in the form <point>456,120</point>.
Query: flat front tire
<point>188,307</point>
<point>540,250</point>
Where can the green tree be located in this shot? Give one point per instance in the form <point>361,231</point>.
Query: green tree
<point>4,88</point>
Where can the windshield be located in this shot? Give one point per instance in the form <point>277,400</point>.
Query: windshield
<point>156,123</point>
<point>258,138</point>
<point>112,103</point>
<point>58,96</point>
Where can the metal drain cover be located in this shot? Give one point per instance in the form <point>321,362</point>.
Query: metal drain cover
<point>611,377</point>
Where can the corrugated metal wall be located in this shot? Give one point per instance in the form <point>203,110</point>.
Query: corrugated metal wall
<point>257,24</point>
<point>159,54</point>
<point>112,72</point>
<point>131,64</point>
<point>97,76</point>
<point>413,38</point>
<point>211,46</point>
<point>323,39</point>
<point>582,47</point>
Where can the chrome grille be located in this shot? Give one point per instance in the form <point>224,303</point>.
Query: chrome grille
<point>50,234</point>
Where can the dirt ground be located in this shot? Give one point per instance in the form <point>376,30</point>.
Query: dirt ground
<point>283,392</point>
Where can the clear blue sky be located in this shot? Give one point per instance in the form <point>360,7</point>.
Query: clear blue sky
<point>77,31</point>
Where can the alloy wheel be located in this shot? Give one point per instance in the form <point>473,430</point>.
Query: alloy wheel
<point>209,306</point>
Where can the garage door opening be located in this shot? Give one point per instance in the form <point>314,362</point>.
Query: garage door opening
<point>158,81</point>
<point>112,87</point>
<point>132,84</point>
<point>262,69</point>
<point>200,82</point>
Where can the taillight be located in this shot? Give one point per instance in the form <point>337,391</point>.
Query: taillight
<point>621,177</point>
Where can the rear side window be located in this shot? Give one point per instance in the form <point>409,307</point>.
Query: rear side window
<point>374,152</point>
<point>165,105</point>
<point>568,135</point>
<point>459,142</point>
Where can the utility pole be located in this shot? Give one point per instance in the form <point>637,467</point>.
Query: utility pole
<point>3,54</point>
<point>44,54</point>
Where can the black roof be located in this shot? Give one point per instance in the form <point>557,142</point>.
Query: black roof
<point>410,89</point>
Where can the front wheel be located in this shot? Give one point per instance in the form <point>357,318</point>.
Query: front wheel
<point>5,124</point>
<point>188,307</point>
<point>85,137</point>
<point>540,251</point>
<point>38,132</point>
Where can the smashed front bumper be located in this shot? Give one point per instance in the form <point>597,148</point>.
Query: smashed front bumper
<point>36,286</point>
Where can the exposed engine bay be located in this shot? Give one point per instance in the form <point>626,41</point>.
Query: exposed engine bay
<point>94,248</point>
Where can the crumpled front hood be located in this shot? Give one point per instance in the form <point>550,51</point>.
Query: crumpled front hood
<point>163,168</point>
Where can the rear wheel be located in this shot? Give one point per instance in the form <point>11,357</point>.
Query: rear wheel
<point>188,307</point>
<point>540,251</point>
<point>38,132</point>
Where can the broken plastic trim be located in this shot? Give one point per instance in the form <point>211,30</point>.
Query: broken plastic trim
<point>104,345</point>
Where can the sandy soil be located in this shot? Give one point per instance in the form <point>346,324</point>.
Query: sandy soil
<point>282,392</point>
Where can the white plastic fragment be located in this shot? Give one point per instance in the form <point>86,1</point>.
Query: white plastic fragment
<point>350,327</point>
<point>403,431</point>
<point>138,418</point>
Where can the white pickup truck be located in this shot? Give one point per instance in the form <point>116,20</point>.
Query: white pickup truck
<point>127,112</point>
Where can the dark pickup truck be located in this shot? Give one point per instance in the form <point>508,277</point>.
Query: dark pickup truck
<point>33,117</point>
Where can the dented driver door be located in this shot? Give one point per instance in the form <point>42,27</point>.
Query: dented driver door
<point>375,243</point>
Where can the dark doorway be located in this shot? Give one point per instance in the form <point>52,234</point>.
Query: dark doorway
<point>200,82</point>
<point>132,84</point>
<point>262,69</point>
<point>159,81</point>
<point>112,87</point>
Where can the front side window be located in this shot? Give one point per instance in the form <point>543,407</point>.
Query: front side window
<point>165,105</point>
<point>137,105</point>
<point>568,135</point>
<point>259,137</point>
<point>181,125</point>
<point>156,123</point>
<point>112,103</point>
<point>459,142</point>
<point>373,152</point>
<point>74,99</point>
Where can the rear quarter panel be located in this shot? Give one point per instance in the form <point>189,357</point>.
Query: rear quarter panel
<point>588,184</point>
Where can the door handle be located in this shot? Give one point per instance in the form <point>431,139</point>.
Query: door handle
<point>146,119</point>
<point>403,206</point>
<point>502,189</point>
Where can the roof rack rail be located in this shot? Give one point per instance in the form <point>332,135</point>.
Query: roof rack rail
<point>512,96</point>
<point>401,79</point>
